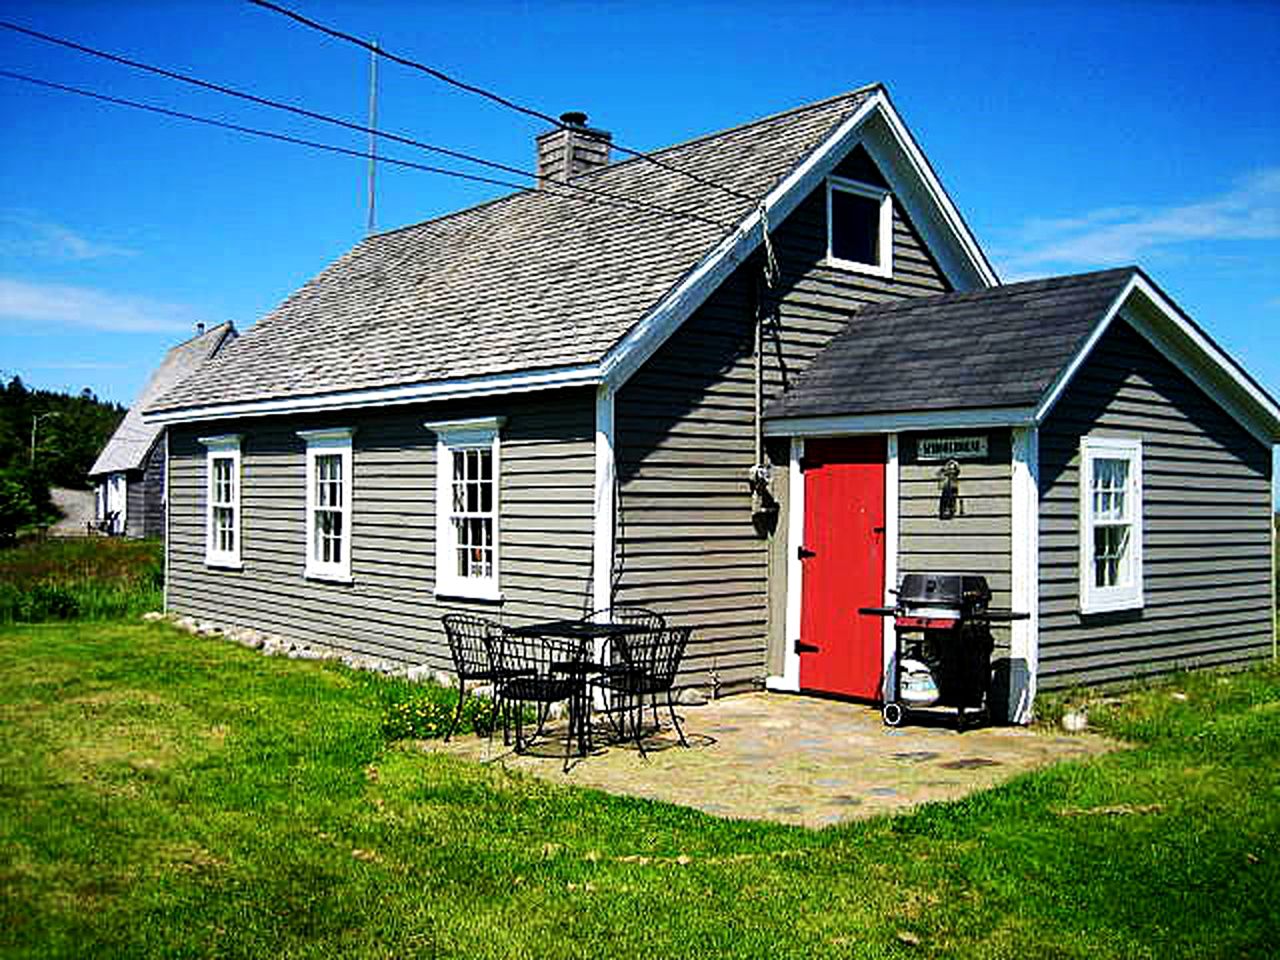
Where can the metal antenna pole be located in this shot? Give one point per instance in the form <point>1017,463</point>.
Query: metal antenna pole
<point>373,139</point>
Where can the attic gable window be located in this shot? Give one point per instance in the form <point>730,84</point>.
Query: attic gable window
<point>222,501</point>
<point>468,468</point>
<point>1110,524</point>
<point>329,483</point>
<point>859,227</point>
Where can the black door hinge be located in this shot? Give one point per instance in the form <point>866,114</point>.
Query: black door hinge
<point>804,553</point>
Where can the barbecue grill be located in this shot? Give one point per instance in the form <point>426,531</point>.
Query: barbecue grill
<point>942,624</point>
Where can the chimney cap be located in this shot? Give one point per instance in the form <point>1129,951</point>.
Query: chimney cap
<point>199,329</point>
<point>573,118</point>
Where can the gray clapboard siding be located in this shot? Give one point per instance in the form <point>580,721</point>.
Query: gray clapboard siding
<point>979,538</point>
<point>686,543</point>
<point>546,484</point>
<point>1206,525</point>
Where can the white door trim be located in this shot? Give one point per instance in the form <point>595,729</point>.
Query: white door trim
<point>789,680</point>
<point>892,525</point>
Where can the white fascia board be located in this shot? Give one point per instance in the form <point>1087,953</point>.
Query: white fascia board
<point>390,396</point>
<point>966,270</point>
<point>923,175</point>
<point>1162,325</point>
<point>853,424</point>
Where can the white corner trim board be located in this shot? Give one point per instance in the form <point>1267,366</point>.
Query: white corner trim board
<point>1024,647</point>
<point>604,504</point>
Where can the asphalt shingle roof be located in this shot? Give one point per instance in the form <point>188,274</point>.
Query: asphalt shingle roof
<point>999,347</point>
<point>130,444</point>
<point>529,281</point>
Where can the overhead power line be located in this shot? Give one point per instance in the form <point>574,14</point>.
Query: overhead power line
<point>358,127</point>
<point>553,189</point>
<point>490,95</point>
<point>252,131</point>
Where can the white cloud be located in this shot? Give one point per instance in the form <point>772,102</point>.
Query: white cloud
<point>24,234</point>
<point>1122,235</point>
<point>47,304</point>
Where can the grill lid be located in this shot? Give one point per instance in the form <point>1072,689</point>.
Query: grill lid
<point>956,590</point>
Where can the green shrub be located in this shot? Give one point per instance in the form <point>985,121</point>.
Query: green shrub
<point>426,713</point>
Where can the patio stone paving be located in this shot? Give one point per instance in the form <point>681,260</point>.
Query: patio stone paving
<point>797,760</point>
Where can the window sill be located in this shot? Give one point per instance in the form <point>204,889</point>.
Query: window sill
<point>328,576</point>
<point>1118,604</point>
<point>456,592</point>
<point>223,564</point>
<point>870,269</point>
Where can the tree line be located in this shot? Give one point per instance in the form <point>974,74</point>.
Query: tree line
<point>70,430</point>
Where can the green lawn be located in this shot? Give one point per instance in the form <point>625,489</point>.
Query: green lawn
<point>164,795</point>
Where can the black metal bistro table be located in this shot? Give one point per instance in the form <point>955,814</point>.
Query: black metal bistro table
<point>585,646</point>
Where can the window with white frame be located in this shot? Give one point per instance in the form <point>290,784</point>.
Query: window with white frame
<point>859,227</point>
<point>467,485</point>
<point>1110,524</point>
<point>222,500</point>
<point>329,484</point>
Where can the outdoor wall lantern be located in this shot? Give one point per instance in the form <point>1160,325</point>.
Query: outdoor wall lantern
<point>949,490</point>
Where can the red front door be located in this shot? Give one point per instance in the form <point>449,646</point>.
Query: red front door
<point>843,561</point>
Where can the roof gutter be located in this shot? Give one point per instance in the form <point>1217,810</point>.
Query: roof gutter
<point>436,391</point>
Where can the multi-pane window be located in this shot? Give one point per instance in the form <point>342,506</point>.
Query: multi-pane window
<point>1111,524</point>
<point>224,505</point>
<point>329,483</point>
<point>222,491</point>
<point>327,548</point>
<point>859,227</point>
<point>467,542</point>
<point>472,514</point>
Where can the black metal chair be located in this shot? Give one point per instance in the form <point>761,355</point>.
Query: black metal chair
<point>543,671</point>
<point>644,666</point>
<point>632,616</point>
<point>472,642</point>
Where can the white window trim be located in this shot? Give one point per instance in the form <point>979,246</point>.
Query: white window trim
<point>885,267</point>
<point>1094,599</point>
<point>324,443</point>
<point>454,435</point>
<point>216,448</point>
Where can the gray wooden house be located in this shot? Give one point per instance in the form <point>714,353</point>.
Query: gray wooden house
<point>546,404</point>
<point>128,475</point>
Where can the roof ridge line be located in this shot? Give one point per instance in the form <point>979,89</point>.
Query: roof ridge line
<point>626,163</point>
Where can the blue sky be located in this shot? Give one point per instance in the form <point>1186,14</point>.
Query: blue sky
<point>1072,136</point>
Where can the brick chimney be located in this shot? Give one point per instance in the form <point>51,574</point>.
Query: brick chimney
<point>571,150</point>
